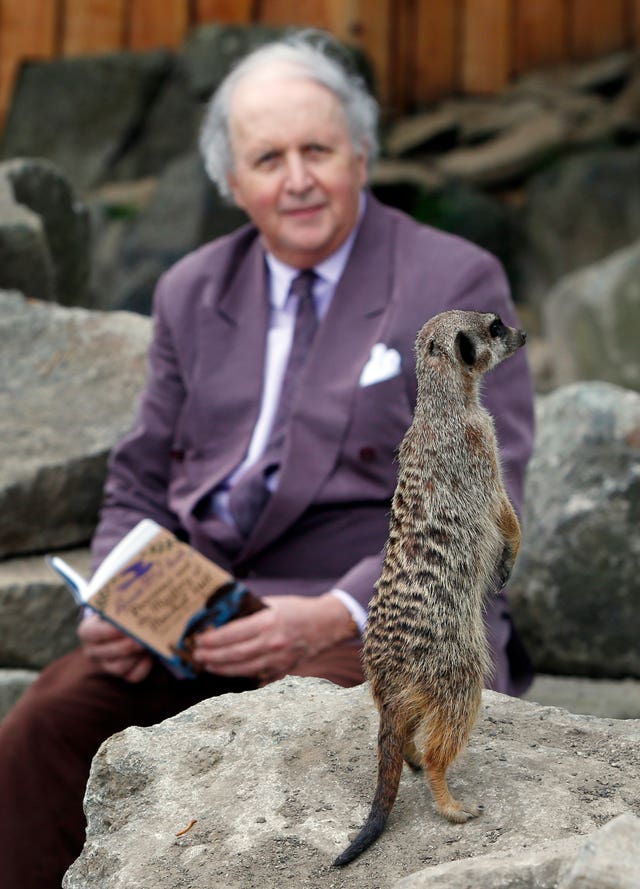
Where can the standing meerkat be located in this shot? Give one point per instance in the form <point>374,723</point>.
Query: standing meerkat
<point>453,539</point>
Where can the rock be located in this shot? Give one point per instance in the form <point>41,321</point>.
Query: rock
<point>592,321</point>
<point>71,379</point>
<point>13,684</point>
<point>421,131</point>
<point>610,859</point>
<point>578,210</point>
<point>83,113</point>
<point>277,779</point>
<point>38,615</point>
<point>615,699</point>
<point>64,223</point>
<point>509,156</point>
<point>575,589</point>
<point>538,869</point>
<point>152,242</point>
<point>211,49</point>
<point>25,258</point>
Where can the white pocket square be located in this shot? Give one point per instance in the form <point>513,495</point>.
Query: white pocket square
<point>383,364</point>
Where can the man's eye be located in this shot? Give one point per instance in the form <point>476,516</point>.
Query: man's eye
<point>269,159</point>
<point>316,150</point>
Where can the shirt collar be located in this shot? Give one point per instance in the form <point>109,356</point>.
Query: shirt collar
<point>330,269</point>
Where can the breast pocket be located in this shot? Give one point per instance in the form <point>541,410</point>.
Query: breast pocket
<point>380,417</point>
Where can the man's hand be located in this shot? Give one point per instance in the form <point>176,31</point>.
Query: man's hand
<point>272,641</point>
<point>113,651</point>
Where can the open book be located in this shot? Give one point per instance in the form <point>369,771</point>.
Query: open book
<point>160,591</point>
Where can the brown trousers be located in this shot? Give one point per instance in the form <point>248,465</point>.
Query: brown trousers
<point>49,738</point>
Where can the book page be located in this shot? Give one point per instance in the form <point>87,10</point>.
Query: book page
<point>155,594</point>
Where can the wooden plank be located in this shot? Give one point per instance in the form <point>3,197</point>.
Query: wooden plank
<point>437,29</point>
<point>540,33</point>
<point>27,30</point>
<point>486,45</point>
<point>402,59</point>
<point>237,12</point>
<point>90,26</point>
<point>595,27</point>
<point>372,27</point>
<point>633,22</point>
<point>302,13</point>
<point>152,24</point>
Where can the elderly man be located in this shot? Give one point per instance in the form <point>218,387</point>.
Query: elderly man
<point>281,382</point>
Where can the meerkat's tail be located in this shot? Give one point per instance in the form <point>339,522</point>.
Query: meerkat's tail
<point>390,760</point>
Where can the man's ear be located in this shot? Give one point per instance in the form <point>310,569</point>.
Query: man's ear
<point>465,349</point>
<point>362,158</point>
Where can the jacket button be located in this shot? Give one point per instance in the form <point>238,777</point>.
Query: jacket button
<point>368,454</point>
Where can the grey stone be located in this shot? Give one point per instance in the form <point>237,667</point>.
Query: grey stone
<point>70,379</point>
<point>277,779</point>
<point>617,699</point>
<point>168,129</point>
<point>83,113</point>
<point>578,210</point>
<point>592,321</point>
<point>38,615</point>
<point>150,241</point>
<point>41,187</point>
<point>576,587</point>
<point>418,131</point>
<point>211,49</point>
<point>531,869</point>
<point>610,859</point>
<point>509,156</point>
<point>25,258</point>
<point>13,684</point>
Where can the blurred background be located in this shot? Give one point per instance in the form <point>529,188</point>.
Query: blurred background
<point>513,123</point>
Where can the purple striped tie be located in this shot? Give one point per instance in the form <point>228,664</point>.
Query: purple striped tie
<point>250,494</point>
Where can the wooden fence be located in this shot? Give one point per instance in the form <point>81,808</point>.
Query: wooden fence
<point>421,49</point>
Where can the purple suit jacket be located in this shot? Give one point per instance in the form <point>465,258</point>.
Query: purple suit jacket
<point>327,522</point>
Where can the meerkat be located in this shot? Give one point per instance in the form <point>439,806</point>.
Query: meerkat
<point>453,539</point>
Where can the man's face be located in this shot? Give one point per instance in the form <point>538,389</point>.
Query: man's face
<point>296,172</point>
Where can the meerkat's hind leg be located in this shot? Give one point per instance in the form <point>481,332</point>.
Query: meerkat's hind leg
<point>411,753</point>
<point>443,743</point>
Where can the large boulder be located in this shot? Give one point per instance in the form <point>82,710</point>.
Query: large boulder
<point>51,259</point>
<point>576,586</point>
<point>578,210</point>
<point>88,113</point>
<point>132,250</point>
<point>264,789</point>
<point>71,379</point>
<point>592,322</point>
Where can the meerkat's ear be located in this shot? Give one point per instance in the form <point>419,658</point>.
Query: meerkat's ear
<point>465,349</point>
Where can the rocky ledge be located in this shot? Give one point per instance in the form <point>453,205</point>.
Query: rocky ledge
<point>264,789</point>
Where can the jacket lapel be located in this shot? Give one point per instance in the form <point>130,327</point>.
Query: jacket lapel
<point>330,379</point>
<point>231,335</point>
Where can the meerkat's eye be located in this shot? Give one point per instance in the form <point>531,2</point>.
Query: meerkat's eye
<point>496,328</point>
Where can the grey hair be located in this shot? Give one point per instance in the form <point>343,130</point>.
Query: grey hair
<point>317,57</point>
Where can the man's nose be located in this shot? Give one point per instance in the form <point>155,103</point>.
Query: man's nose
<point>298,175</point>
